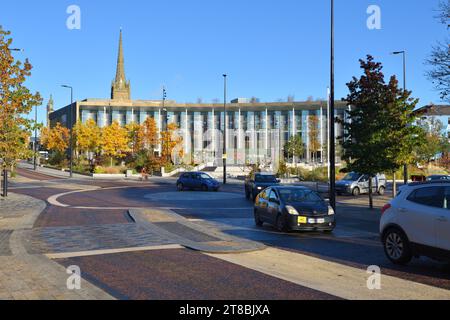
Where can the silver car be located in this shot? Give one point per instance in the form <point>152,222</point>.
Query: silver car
<point>356,184</point>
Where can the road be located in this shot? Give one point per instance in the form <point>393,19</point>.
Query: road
<point>97,219</point>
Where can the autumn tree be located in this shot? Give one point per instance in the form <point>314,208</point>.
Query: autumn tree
<point>15,101</point>
<point>134,136</point>
<point>87,136</point>
<point>148,136</point>
<point>115,141</point>
<point>171,142</point>
<point>56,139</point>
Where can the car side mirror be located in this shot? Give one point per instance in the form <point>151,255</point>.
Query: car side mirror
<point>278,181</point>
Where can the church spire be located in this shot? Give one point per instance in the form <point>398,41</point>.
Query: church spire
<point>120,89</point>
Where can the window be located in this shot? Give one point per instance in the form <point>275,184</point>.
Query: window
<point>273,196</point>
<point>265,194</point>
<point>265,178</point>
<point>299,195</point>
<point>430,196</point>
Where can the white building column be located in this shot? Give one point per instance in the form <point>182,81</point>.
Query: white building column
<point>186,134</point>
<point>294,132</point>
<point>159,131</point>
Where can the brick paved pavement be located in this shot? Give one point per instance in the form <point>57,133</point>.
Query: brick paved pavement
<point>25,276</point>
<point>94,237</point>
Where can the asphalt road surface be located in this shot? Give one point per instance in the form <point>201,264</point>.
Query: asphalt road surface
<point>185,274</point>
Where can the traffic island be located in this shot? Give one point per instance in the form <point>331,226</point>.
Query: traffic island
<point>180,230</point>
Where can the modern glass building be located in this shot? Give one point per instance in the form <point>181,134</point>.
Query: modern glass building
<point>256,132</point>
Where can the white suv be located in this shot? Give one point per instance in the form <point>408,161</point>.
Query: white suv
<point>417,223</point>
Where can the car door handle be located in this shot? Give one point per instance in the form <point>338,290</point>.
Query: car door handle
<point>442,219</point>
<point>401,209</point>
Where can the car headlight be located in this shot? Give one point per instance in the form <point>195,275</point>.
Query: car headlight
<point>291,210</point>
<point>259,188</point>
<point>330,211</point>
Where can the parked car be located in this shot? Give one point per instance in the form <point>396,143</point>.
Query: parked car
<point>197,180</point>
<point>438,177</point>
<point>417,222</point>
<point>356,184</point>
<point>257,182</point>
<point>293,208</point>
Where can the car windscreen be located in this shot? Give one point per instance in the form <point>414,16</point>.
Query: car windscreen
<point>352,176</point>
<point>265,178</point>
<point>205,176</point>
<point>299,195</point>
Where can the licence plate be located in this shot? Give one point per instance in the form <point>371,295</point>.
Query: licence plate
<point>321,220</point>
<point>302,220</point>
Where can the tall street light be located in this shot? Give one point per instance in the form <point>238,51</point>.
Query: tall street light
<point>405,170</point>
<point>331,124</point>
<point>164,120</point>
<point>71,128</point>
<point>224,129</point>
<point>35,140</point>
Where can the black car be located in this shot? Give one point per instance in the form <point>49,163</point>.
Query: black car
<point>257,182</point>
<point>294,208</point>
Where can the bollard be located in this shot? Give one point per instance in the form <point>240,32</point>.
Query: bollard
<point>5,183</point>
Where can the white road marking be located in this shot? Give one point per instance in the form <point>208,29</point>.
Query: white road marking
<point>110,251</point>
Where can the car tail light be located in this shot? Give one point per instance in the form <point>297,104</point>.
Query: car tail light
<point>385,208</point>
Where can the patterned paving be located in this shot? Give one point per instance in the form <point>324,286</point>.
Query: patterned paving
<point>4,242</point>
<point>93,237</point>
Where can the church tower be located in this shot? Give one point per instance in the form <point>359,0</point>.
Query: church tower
<point>50,108</point>
<point>120,88</point>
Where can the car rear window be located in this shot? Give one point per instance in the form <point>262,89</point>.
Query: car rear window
<point>265,178</point>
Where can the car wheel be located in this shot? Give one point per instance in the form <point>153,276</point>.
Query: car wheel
<point>396,246</point>
<point>356,192</point>
<point>258,220</point>
<point>180,187</point>
<point>204,188</point>
<point>281,224</point>
<point>381,191</point>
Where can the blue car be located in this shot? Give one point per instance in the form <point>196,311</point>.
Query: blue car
<point>197,181</point>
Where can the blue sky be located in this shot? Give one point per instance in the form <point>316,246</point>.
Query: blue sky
<point>269,49</point>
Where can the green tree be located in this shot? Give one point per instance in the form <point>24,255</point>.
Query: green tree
<point>295,146</point>
<point>313,135</point>
<point>380,136</point>
<point>15,101</point>
<point>435,141</point>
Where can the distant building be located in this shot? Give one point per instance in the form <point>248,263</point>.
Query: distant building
<point>256,131</point>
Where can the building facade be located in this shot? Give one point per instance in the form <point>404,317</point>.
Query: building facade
<point>256,132</point>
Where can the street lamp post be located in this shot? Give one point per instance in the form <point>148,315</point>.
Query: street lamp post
<point>35,140</point>
<point>71,129</point>
<point>224,129</point>
<point>331,124</point>
<point>164,120</point>
<point>403,53</point>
